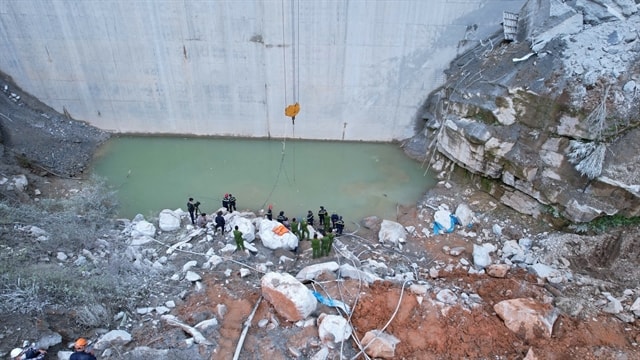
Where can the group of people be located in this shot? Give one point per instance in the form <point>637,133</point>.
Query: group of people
<point>229,202</point>
<point>326,223</point>
<point>80,352</point>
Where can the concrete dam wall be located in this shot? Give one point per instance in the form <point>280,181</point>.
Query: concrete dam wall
<point>360,69</point>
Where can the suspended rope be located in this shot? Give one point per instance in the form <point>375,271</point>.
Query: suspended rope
<point>290,110</point>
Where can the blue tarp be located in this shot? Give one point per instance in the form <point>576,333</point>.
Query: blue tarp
<point>439,229</point>
<point>331,302</point>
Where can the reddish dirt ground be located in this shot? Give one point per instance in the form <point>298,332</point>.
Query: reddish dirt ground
<point>425,330</point>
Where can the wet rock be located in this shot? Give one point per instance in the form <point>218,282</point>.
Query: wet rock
<point>289,297</point>
<point>527,317</point>
<point>380,344</point>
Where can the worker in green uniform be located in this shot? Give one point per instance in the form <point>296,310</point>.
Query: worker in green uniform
<point>324,244</point>
<point>330,243</point>
<point>295,227</point>
<point>237,235</point>
<point>327,226</point>
<point>304,230</point>
<point>315,246</point>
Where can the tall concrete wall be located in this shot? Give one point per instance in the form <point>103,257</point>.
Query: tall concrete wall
<point>359,68</point>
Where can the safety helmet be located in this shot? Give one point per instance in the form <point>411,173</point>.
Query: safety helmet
<point>15,352</point>
<point>80,343</point>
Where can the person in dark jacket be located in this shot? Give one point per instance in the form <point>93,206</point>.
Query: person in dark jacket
<point>334,218</point>
<point>322,213</point>
<point>191,207</point>
<point>81,352</point>
<point>339,226</point>
<point>310,218</point>
<point>225,202</point>
<point>269,213</point>
<point>220,222</point>
<point>232,203</point>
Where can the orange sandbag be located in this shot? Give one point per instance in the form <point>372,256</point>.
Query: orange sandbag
<point>280,230</point>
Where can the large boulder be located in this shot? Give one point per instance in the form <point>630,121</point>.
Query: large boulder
<point>244,225</point>
<point>391,232</point>
<point>288,296</point>
<point>273,236</point>
<point>168,220</point>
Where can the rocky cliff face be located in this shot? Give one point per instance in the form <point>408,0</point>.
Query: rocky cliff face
<point>551,117</point>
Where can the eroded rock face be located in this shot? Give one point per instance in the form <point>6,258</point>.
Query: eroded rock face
<point>550,118</point>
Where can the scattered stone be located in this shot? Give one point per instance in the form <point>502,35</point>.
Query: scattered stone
<point>312,271</point>
<point>497,270</point>
<point>379,344</point>
<point>614,306</point>
<point>349,271</point>
<point>192,276</point>
<point>333,328</point>
<point>447,296</point>
<point>481,255</point>
<point>457,251</point>
<point>111,338</point>
<point>527,317</point>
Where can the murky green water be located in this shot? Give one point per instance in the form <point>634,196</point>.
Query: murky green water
<point>353,179</point>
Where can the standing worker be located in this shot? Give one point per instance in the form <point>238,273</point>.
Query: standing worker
<point>304,230</point>
<point>220,222</point>
<point>324,244</point>
<point>270,213</point>
<point>339,226</point>
<point>321,214</point>
<point>225,202</point>
<point>334,218</point>
<point>232,203</point>
<point>315,246</point>
<point>191,207</point>
<point>310,217</point>
<point>237,235</point>
<point>327,226</point>
<point>295,227</point>
<point>80,351</point>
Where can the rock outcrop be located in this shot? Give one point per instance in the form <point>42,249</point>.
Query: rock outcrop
<point>551,118</point>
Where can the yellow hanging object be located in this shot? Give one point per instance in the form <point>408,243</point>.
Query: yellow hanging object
<point>291,111</point>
